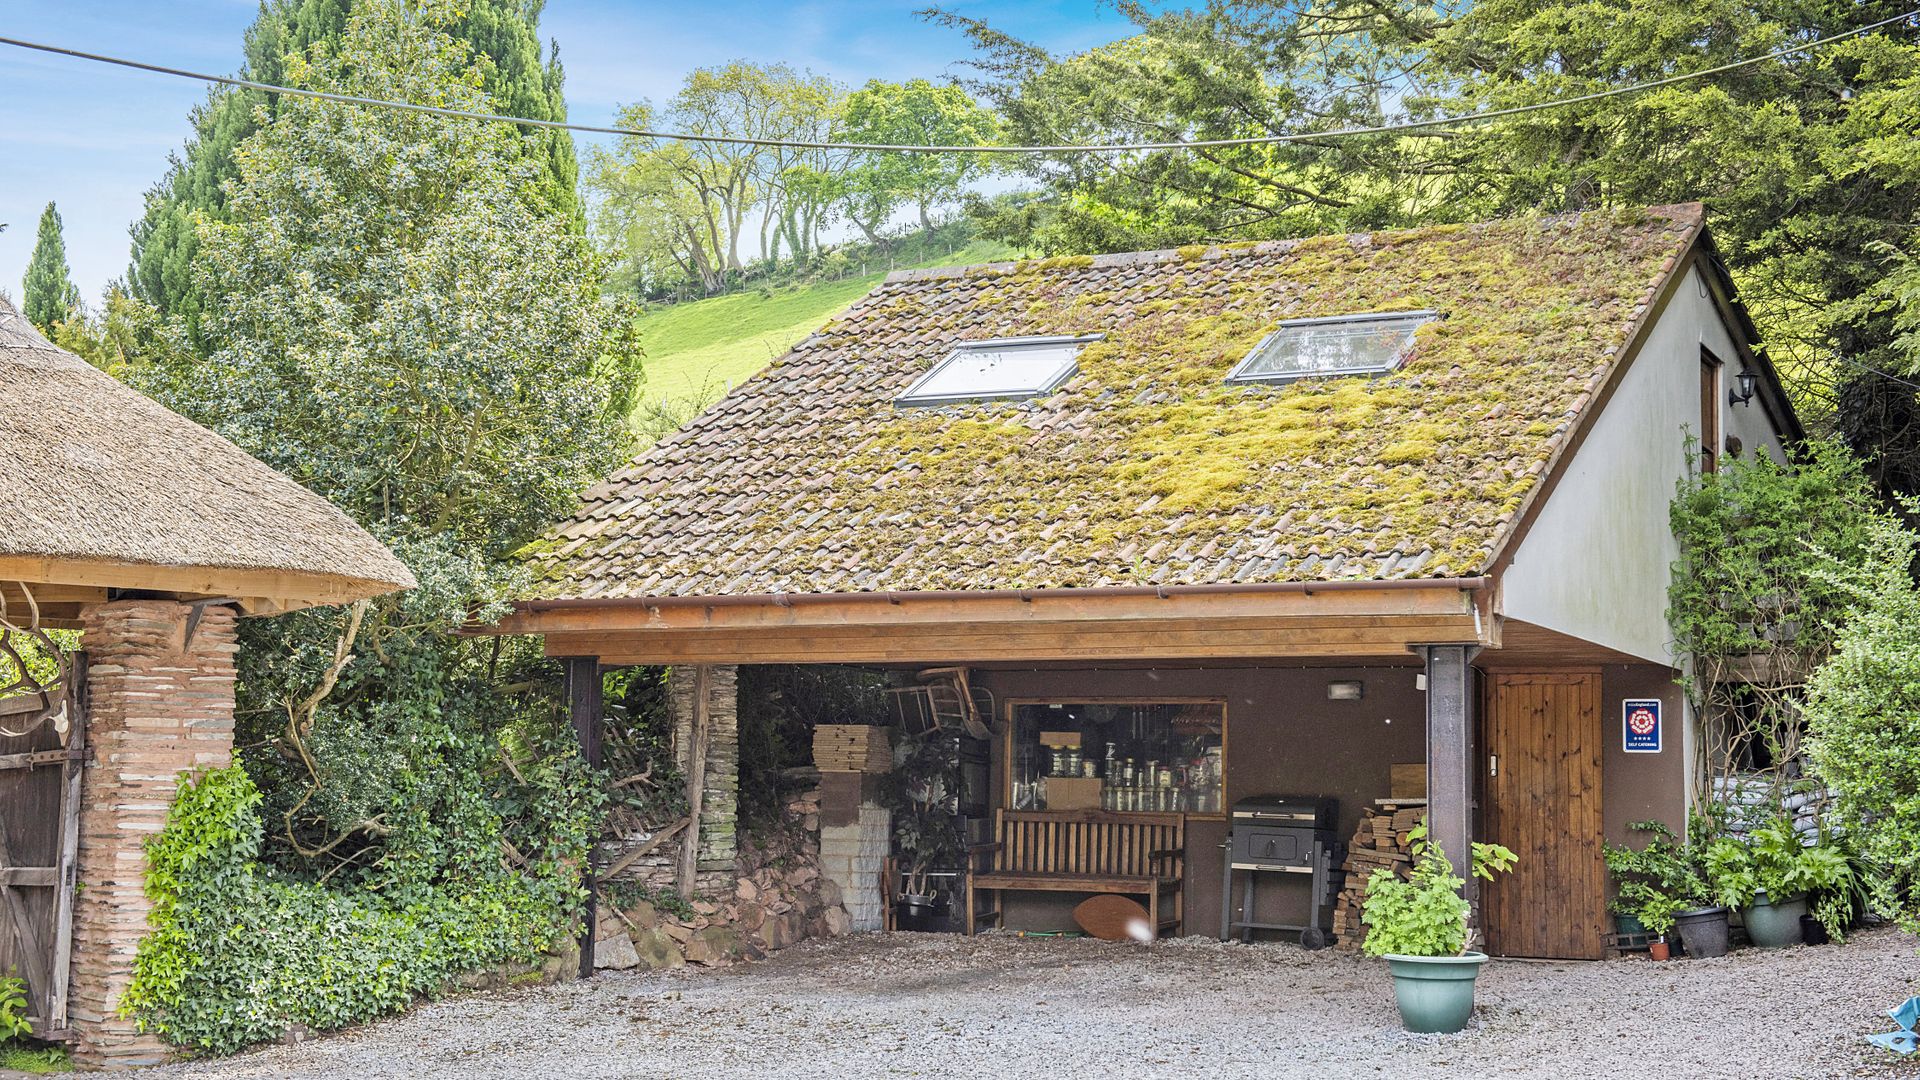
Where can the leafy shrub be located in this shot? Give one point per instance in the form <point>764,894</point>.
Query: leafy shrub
<point>1425,915</point>
<point>238,953</point>
<point>1863,720</point>
<point>1773,861</point>
<point>13,1008</point>
<point>1662,879</point>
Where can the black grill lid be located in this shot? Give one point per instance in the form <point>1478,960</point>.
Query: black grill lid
<point>1307,811</point>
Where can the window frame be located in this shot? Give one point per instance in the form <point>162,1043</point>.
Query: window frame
<point>1712,391</point>
<point>1003,744</point>
<point>1240,377</point>
<point>915,396</point>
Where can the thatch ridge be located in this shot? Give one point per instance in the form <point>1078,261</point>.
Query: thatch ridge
<point>95,472</point>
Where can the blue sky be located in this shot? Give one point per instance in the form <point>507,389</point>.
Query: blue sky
<point>93,138</point>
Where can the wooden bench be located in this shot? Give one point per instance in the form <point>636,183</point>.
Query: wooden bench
<point>1093,851</point>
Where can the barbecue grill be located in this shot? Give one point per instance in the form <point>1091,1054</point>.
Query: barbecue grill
<point>1283,834</point>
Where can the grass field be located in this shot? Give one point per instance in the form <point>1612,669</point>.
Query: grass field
<point>697,350</point>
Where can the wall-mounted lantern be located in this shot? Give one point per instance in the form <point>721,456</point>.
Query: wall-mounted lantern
<point>1742,392</point>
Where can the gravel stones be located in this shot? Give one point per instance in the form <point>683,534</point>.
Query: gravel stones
<point>944,1005</point>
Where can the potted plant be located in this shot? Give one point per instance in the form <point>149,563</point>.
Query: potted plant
<point>1664,886</point>
<point>926,828</point>
<point>1420,925</point>
<point>1768,875</point>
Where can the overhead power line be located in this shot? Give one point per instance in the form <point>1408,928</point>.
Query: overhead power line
<point>908,148</point>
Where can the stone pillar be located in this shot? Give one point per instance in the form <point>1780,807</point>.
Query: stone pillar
<point>720,795</point>
<point>853,854</point>
<point>159,704</point>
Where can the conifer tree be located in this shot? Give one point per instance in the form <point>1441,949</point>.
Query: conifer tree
<point>50,295</point>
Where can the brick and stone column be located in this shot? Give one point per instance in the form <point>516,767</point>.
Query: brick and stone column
<point>853,854</point>
<point>159,704</point>
<point>720,796</point>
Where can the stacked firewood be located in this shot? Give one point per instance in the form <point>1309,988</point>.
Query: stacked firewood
<point>1380,842</point>
<point>851,748</point>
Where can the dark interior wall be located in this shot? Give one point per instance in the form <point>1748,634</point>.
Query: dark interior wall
<point>1639,787</point>
<point>1283,737</point>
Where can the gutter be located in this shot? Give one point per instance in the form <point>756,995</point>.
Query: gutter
<point>1163,592</point>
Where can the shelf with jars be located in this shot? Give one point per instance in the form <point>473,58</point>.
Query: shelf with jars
<point>1155,757</point>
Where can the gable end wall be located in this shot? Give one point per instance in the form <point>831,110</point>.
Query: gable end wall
<point>1596,562</point>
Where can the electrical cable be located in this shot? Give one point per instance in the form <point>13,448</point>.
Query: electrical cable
<point>906,148</point>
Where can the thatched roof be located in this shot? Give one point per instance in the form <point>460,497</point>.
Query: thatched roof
<point>103,487</point>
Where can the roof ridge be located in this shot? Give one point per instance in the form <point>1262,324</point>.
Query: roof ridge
<point>1207,252</point>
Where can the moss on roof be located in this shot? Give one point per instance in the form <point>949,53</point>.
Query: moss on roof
<point>1146,466</point>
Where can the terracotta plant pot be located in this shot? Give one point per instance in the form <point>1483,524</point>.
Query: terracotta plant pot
<point>1659,949</point>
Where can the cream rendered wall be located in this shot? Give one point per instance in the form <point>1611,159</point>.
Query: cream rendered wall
<point>1596,561</point>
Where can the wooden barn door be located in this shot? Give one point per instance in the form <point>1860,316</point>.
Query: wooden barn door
<point>1542,799</point>
<point>40,764</point>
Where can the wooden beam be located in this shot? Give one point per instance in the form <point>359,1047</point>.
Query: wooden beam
<point>68,865</point>
<point>1359,637</point>
<point>697,730</point>
<point>265,590</point>
<point>987,607</point>
<point>584,708</point>
<point>1450,755</point>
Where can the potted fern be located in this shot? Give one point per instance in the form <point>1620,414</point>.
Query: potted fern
<point>1768,876</point>
<point>1420,925</point>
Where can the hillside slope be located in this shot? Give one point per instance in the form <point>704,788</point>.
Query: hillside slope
<point>697,350</point>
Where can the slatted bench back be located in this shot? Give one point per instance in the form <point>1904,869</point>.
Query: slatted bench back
<point>1099,843</point>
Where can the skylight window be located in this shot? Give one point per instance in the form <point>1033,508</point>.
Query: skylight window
<point>1343,345</point>
<point>999,369</point>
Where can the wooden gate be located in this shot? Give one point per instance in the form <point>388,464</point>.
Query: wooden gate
<point>1542,787</point>
<point>41,739</point>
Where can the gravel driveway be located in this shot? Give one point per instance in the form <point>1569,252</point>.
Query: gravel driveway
<point>940,1005</point>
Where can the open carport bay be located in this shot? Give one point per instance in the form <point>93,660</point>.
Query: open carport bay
<point>944,1005</point>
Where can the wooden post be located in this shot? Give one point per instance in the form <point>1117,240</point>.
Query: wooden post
<point>583,705</point>
<point>698,727</point>
<point>1450,755</point>
<point>69,842</point>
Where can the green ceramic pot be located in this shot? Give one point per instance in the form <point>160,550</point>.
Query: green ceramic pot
<point>1774,924</point>
<point>1435,992</point>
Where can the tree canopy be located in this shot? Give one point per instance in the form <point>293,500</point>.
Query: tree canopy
<point>517,79</point>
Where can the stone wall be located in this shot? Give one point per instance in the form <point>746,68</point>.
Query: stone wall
<point>774,896</point>
<point>718,804</point>
<point>159,705</point>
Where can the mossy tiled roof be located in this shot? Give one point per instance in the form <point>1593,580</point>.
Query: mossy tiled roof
<point>1145,467</point>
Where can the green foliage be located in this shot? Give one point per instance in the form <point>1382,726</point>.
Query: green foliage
<point>1425,915</point>
<point>399,317</point>
<point>1863,717</point>
<point>35,1058</point>
<point>1661,879</point>
<point>238,953</point>
<point>922,791</point>
<point>517,81</point>
<point>912,113</point>
<point>50,295</point>
<point>1772,861</point>
<point>1752,602</point>
<point>624,894</point>
<point>780,704</point>
<point>13,1008</point>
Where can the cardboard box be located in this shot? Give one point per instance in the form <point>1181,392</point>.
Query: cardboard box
<point>1407,781</point>
<point>1073,792</point>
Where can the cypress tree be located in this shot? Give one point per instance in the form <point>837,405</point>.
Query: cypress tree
<point>518,78</point>
<point>50,294</point>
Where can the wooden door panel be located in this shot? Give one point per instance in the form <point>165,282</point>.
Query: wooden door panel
<point>1541,778</point>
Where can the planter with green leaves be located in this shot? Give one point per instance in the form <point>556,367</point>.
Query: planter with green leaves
<point>1666,886</point>
<point>1769,873</point>
<point>1420,925</point>
<point>927,838</point>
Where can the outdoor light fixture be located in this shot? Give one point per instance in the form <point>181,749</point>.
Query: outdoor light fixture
<point>1345,690</point>
<point>1742,392</point>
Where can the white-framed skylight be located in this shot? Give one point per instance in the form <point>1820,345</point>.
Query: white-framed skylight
<point>998,369</point>
<point>1342,345</point>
